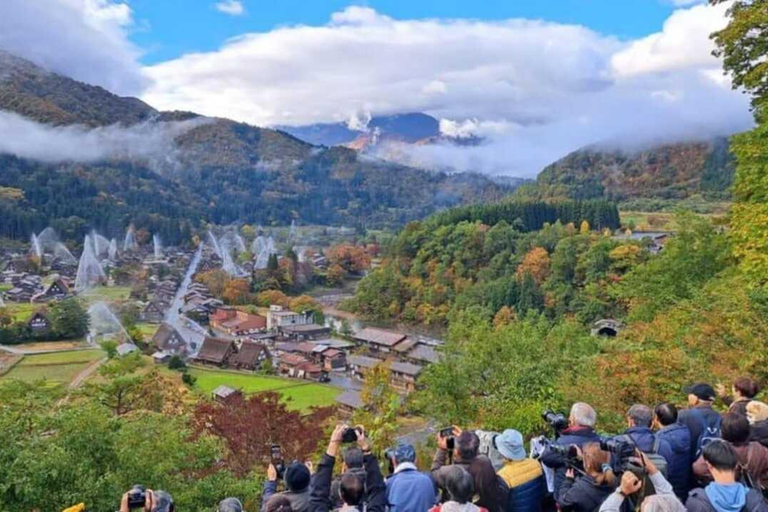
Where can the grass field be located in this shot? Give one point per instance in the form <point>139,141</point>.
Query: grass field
<point>148,330</point>
<point>21,310</point>
<point>59,367</point>
<point>106,293</point>
<point>302,396</point>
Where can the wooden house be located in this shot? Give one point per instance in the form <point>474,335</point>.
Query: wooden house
<point>250,356</point>
<point>215,351</point>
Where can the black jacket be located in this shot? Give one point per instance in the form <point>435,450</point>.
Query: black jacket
<point>578,436</point>
<point>679,468</point>
<point>699,502</point>
<point>375,489</point>
<point>582,495</point>
<point>759,432</point>
<point>695,419</point>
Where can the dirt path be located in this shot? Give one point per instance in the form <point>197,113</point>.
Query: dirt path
<point>87,372</point>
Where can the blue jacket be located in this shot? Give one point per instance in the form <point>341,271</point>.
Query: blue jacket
<point>410,490</point>
<point>645,438</point>
<point>527,497</point>
<point>679,467</point>
<point>578,436</point>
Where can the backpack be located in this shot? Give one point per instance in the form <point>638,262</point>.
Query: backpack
<point>709,432</point>
<point>653,456</point>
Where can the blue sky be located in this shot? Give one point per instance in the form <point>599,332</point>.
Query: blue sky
<point>167,29</point>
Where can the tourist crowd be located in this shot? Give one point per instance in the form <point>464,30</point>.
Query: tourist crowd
<point>666,460</point>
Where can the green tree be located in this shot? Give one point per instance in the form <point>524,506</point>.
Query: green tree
<point>69,319</point>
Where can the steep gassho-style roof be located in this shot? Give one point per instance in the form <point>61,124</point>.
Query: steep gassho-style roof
<point>249,353</point>
<point>379,336</point>
<point>214,350</point>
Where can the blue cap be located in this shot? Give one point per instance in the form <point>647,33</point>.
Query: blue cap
<point>405,453</point>
<point>511,445</point>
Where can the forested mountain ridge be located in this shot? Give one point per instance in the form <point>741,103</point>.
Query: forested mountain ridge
<point>666,172</point>
<point>219,171</point>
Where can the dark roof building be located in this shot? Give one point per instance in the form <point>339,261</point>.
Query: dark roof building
<point>250,356</point>
<point>215,351</point>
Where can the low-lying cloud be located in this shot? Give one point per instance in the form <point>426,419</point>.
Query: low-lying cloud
<point>149,141</point>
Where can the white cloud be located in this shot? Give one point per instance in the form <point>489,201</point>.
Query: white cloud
<point>685,3</point>
<point>84,39</point>
<point>231,7</point>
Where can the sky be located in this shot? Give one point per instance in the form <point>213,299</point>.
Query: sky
<point>534,80</point>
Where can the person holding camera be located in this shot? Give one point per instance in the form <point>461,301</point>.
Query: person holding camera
<point>679,438</point>
<point>744,390</point>
<point>230,505</point>
<point>408,489</point>
<point>139,498</point>
<point>460,488</point>
<point>523,475</point>
<point>752,456</point>
<point>352,461</point>
<point>489,487</point>
<point>725,493</point>
<point>354,492</point>
<point>587,493</point>
<point>580,431</point>
<point>663,500</point>
<point>297,479</point>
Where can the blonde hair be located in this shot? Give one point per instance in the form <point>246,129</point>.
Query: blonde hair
<point>757,411</point>
<point>594,461</point>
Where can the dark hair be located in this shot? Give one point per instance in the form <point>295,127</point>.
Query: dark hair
<point>353,457</point>
<point>747,387</point>
<point>351,489</point>
<point>467,445</point>
<point>279,503</point>
<point>640,415</point>
<point>459,484</point>
<point>666,414</point>
<point>735,428</point>
<point>721,455</point>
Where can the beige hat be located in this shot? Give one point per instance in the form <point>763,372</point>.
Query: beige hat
<point>757,411</point>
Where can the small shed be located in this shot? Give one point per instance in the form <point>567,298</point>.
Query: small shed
<point>606,327</point>
<point>224,393</point>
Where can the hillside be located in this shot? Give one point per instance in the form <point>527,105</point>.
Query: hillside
<point>665,174</point>
<point>217,171</point>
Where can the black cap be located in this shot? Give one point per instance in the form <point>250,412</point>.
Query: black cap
<point>297,477</point>
<point>702,391</point>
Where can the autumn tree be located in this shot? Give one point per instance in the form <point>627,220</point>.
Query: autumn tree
<point>216,280</point>
<point>236,292</point>
<point>536,263</point>
<point>352,258</point>
<point>584,228</point>
<point>305,303</point>
<point>382,406</point>
<point>249,426</point>
<point>335,275</point>
<point>272,297</point>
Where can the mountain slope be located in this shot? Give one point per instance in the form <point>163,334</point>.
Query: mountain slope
<point>217,171</point>
<point>670,172</point>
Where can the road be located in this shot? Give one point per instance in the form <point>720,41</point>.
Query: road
<point>87,372</point>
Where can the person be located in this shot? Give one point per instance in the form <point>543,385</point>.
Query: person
<point>744,390</point>
<point>279,503</point>
<point>352,461</point>
<point>524,476</point>
<point>639,421</point>
<point>408,489</point>
<point>234,505</point>
<point>588,492</point>
<point>751,455</point>
<point>297,479</point>
<point>488,447</point>
<point>725,493</point>
<point>460,487</point>
<point>580,431</point>
<point>491,490</point>
<point>354,492</point>
<point>757,415</point>
<point>678,437</point>
<point>156,501</point>
<point>664,499</point>
<point>700,417</point>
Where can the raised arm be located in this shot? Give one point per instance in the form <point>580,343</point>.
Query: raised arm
<point>320,492</point>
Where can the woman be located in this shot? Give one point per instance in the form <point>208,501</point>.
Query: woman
<point>744,390</point>
<point>757,415</point>
<point>461,488</point>
<point>588,492</point>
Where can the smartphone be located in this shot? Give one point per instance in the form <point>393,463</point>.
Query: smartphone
<point>446,432</point>
<point>276,453</point>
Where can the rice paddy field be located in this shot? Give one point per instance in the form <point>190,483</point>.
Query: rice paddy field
<point>58,367</point>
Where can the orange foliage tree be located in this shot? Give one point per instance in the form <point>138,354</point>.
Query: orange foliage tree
<point>537,263</point>
<point>351,258</point>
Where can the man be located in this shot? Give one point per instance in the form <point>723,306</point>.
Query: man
<point>408,489</point>
<point>352,462</point>
<point>230,505</point>
<point>354,492</point>
<point>663,499</point>
<point>297,479</point>
<point>679,439</point>
<point>580,431</point>
<point>744,390</point>
<point>156,501</point>
<point>751,455</point>
<point>639,420</point>
<point>700,419</point>
<point>725,494</point>
<point>492,491</point>
<point>523,475</point>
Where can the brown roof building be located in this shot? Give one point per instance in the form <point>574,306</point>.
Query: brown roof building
<point>378,340</point>
<point>215,351</point>
<point>250,356</point>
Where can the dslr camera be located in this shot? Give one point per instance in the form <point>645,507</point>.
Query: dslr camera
<point>350,435</point>
<point>558,421</point>
<point>137,497</point>
<point>625,454</point>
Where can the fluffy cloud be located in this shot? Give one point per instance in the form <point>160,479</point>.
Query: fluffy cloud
<point>534,90</point>
<point>231,7</point>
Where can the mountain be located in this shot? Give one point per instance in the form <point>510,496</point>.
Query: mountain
<point>663,174</point>
<point>410,128</point>
<point>216,170</point>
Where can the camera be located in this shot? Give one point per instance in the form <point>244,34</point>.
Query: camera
<point>277,460</point>
<point>350,435</point>
<point>556,420</point>
<point>447,433</point>
<point>623,450</point>
<point>137,497</point>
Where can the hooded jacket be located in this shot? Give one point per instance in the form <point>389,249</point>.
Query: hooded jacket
<point>375,489</point>
<point>758,431</point>
<point>737,498</point>
<point>410,490</point>
<point>490,488</point>
<point>527,486</point>
<point>299,499</point>
<point>695,419</point>
<point>753,456</point>
<point>573,435</point>
<point>582,495</point>
<point>679,466</point>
